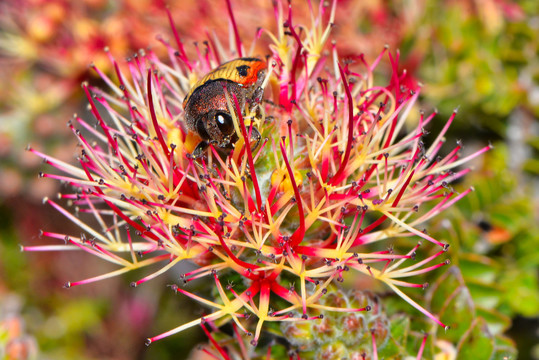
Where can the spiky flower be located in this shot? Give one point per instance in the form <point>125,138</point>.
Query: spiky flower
<point>336,176</point>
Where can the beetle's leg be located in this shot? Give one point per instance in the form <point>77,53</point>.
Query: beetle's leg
<point>255,135</point>
<point>257,95</point>
<point>200,149</point>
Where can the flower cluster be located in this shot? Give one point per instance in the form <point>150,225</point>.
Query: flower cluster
<point>337,336</point>
<point>337,173</point>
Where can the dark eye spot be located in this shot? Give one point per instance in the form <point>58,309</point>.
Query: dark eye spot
<point>225,123</point>
<point>243,70</point>
<point>201,129</point>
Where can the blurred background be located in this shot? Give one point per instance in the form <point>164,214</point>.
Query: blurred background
<point>480,56</point>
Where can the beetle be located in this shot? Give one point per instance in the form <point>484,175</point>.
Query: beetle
<point>206,109</point>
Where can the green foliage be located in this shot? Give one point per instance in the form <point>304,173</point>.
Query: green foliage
<point>482,59</point>
<point>493,236</point>
<point>472,327</point>
<point>477,342</point>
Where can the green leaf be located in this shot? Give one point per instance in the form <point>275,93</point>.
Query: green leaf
<point>398,328</point>
<point>477,342</point>
<point>478,267</point>
<point>522,291</point>
<point>505,349</point>
<point>484,294</point>
<point>497,322</point>
<point>450,299</point>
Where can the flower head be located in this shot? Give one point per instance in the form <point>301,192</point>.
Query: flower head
<point>336,174</point>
